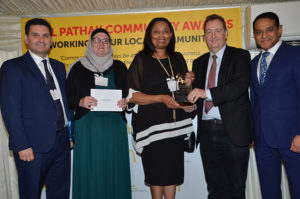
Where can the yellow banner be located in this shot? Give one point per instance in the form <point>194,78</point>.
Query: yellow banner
<point>70,34</point>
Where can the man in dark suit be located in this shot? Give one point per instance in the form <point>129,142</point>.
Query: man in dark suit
<point>34,108</point>
<point>220,91</point>
<point>275,98</point>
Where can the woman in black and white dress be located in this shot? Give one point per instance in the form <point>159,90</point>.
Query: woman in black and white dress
<point>159,123</point>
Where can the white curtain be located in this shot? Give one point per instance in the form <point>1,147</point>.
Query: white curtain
<point>10,47</point>
<point>10,35</point>
<point>8,172</point>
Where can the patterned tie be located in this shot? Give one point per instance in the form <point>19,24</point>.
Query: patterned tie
<point>263,68</point>
<point>60,123</point>
<point>211,82</point>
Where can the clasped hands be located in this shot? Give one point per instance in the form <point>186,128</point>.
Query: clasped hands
<point>88,102</point>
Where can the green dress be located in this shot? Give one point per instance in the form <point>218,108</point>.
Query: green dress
<point>101,157</point>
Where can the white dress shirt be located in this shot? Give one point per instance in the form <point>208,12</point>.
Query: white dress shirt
<point>214,112</point>
<point>269,58</point>
<point>38,60</point>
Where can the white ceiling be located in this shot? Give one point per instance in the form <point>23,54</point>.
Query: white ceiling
<point>12,10</point>
<point>47,7</point>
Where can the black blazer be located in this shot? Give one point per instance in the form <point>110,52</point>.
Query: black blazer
<point>80,80</point>
<point>230,95</point>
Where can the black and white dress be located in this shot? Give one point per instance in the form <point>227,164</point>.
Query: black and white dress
<point>156,135</point>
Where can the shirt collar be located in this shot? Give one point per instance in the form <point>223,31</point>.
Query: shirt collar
<point>274,49</point>
<point>37,59</point>
<point>219,54</point>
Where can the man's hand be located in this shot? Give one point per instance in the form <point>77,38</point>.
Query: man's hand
<point>189,78</point>
<point>195,94</point>
<point>26,155</point>
<point>295,147</point>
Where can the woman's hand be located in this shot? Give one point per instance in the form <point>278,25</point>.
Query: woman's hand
<point>122,103</point>
<point>189,109</point>
<point>189,78</point>
<point>71,144</point>
<point>87,102</point>
<point>169,102</point>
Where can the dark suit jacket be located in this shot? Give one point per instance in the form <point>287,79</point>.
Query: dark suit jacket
<point>276,104</point>
<point>231,94</point>
<point>27,107</point>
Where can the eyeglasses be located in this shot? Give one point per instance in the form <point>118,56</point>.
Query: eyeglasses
<point>102,41</point>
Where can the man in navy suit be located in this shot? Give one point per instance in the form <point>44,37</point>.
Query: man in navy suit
<point>275,98</point>
<point>222,78</point>
<point>34,108</point>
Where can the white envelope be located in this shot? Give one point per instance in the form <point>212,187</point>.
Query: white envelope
<point>107,99</point>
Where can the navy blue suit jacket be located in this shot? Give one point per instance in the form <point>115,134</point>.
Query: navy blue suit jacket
<point>276,104</point>
<point>27,107</point>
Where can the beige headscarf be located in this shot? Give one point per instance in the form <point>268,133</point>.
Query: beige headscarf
<point>91,61</point>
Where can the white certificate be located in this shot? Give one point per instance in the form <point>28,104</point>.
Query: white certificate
<point>107,99</point>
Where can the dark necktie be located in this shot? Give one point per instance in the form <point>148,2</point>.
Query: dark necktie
<point>263,68</point>
<point>211,83</point>
<point>60,123</point>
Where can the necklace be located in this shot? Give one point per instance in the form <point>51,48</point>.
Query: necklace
<point>171,68</point>
<point>170,65</point>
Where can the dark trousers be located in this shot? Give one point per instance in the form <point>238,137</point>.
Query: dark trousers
<point>225,165</point>
<point>269,162</point>
<point>51,169</point>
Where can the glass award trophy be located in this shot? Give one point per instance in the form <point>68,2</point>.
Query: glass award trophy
<point>182,91</point>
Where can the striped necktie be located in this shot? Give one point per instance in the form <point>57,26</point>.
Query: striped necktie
<point>263,68</point>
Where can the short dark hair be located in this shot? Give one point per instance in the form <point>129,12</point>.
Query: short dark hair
<point>37,21</point>
<point>267,15</point>
<point>215,17</point>
<point>149,48</point>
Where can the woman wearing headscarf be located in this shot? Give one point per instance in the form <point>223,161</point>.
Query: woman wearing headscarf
<point>100,158</point>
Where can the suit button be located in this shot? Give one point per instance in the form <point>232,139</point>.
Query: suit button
<point>54,123</point>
